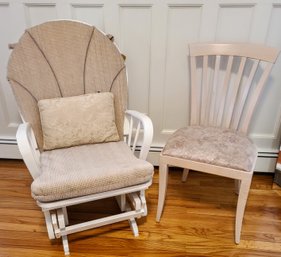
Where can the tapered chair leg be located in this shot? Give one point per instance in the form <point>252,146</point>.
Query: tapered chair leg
<point>241,205</point>
<point>237,186</point>
<point>163,181</point>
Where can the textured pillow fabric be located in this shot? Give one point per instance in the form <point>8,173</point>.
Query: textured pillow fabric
<point>78,120</point>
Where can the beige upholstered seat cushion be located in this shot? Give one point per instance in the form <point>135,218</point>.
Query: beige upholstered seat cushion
<point>212,145</point>
<point>77,120</point>
<point>88,169</point>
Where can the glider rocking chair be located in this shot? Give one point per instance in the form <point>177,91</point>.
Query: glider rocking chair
<point>77,138</point>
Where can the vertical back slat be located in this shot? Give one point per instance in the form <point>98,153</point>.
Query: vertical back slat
<point>213,94</point>
<point>254,98</point>
<point>205,91</point>
<point>223,93</point>
<point>231,104</point>
<point>194,115</point>
<point>242,96</point>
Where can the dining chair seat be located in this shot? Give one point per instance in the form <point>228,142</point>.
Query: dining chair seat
<point>212,145</point>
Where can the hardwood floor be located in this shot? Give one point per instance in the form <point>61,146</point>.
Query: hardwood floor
<point>198,220</point>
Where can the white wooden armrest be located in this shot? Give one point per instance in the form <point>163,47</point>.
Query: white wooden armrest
<point>132,130</point>
<point>28,149</point>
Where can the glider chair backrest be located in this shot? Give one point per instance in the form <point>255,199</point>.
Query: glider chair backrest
<point>62,59</point>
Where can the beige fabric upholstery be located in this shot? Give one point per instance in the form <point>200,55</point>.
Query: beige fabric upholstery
<point>88,169</point>
<point>212,145</point>
<point>78,120</point>
<point>61,59</point>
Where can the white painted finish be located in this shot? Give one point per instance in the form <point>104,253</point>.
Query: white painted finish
<point>29,149</point>
<point>154,35</point>
<point>57,220</point>
<point>225,82</point>
<point>233,76</point>
<point>138,121</point>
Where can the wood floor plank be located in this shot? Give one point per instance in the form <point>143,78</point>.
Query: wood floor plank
<point>198,220</point>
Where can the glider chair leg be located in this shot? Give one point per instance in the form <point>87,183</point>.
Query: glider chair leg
<point>184,175</point>
<point>143,202</point>
<point>132,198</point>
<point>134,226</point>
<point>64,210</point>
<point>58,222</point>
<point>138,201</point>
<point>49,225</point>
<point>61,219</point>
<point>121,200</point>
<point>163,181</point>
<point>241,205</point>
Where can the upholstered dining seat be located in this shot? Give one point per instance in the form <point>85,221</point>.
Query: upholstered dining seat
<point>212,145</point>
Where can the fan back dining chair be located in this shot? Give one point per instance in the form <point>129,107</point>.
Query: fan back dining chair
<point>226,82</point>
<point>69,80</point>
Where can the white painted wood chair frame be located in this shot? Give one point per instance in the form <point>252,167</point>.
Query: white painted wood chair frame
<point>56,212</point>
<point>208,107</point>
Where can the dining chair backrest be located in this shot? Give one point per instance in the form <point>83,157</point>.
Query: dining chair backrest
<point>226,82</point>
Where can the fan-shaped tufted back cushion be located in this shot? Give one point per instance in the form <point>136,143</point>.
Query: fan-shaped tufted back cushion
<point>61,59</point>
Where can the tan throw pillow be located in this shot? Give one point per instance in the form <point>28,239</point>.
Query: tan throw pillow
<point>78,120</point>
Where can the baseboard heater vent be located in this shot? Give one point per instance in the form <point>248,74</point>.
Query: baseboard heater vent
<point>8,142</point>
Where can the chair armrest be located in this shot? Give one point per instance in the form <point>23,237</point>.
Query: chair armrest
<point>28,148</point>
<point>132,132</point>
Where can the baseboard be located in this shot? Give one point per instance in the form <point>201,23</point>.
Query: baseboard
<point>9,150</point>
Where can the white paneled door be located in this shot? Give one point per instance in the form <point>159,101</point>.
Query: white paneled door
<point>154,35</point>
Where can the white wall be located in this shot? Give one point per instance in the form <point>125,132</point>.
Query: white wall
<point>154,35</point>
